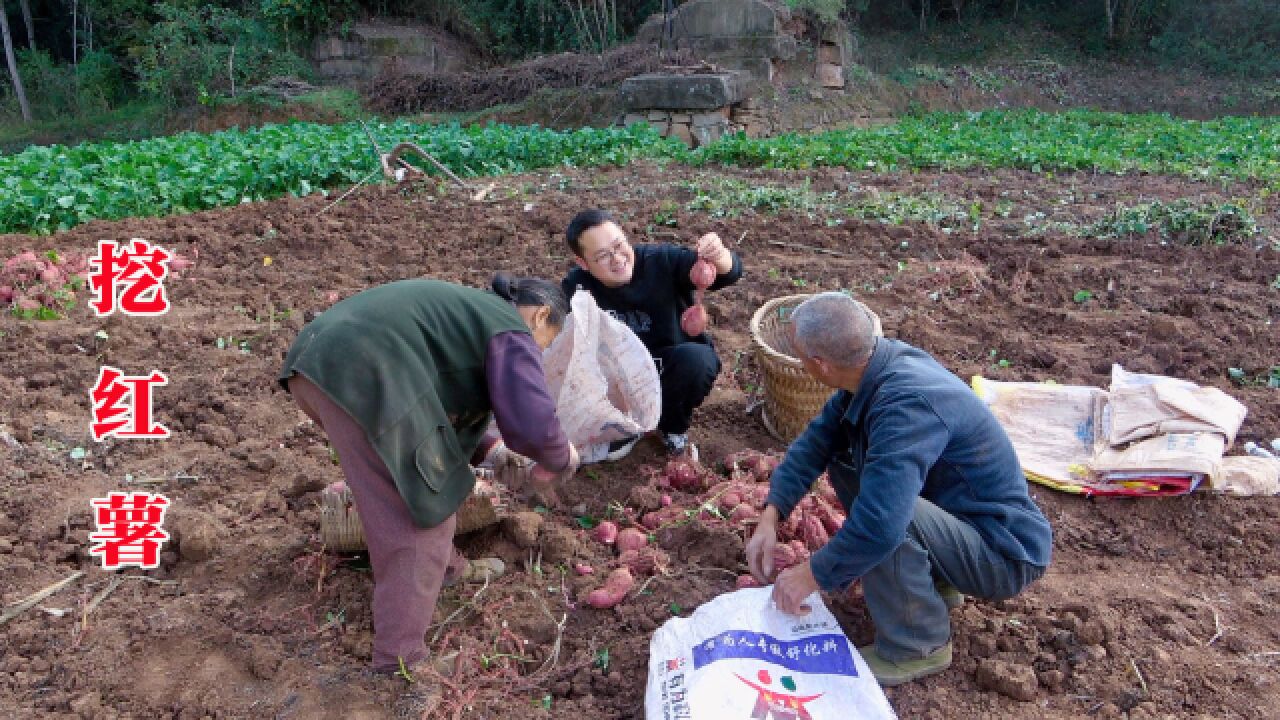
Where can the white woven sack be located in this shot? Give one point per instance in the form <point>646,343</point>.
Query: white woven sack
<point>602,379</point>
<point>740,657</point>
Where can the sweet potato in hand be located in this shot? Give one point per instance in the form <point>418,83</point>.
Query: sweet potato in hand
<point>694,321</point>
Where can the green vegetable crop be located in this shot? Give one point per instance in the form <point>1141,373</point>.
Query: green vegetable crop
<point>56,187</point>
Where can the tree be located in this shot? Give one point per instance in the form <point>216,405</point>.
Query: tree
<point>1110,6</point>
<point>13,67</point>
<point>26,20</point>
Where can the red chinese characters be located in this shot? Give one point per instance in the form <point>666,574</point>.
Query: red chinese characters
<point>122,405</point>
<point>129,532</point>
<point>130,280</point>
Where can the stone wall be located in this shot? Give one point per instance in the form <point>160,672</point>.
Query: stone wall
<point>744,35</point>
<point>756,37</point>
<point>367,48</point>
<point>696,128</point>
<point>697,109</point>
<point>834,54</point>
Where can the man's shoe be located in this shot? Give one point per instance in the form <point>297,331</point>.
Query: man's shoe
<point>950,595</point>
<point>618,449</point>
<point>890,674</point>
<point>679,444</point>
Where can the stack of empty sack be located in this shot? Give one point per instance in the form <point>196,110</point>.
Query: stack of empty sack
<point>1149,435</point>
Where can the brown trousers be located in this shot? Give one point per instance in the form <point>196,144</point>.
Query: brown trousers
<point>409,563</point>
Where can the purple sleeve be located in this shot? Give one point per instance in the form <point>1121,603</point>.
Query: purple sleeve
<point>522,405</point>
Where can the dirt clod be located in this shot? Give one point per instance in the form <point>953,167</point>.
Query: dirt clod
<point>523,528</point>
<point>197,534</point>
<point>1015,681</point>
<point>644,498</point>
<point>1092,633</point>
<point>982,645</point>
<point>88,706</point>
<point>559,544</point>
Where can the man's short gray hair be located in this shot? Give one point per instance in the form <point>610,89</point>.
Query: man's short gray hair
<point>834,327</point>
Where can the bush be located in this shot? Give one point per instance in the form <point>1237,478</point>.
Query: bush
<point>301,20</point>
<point>95,85</point>
<point>825,10</point>
<point>518,28</point>
<point>1182,221</point>
<point>1237,37</point>
<point>196,54</point>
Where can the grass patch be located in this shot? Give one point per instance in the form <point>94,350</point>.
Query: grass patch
<point>730,197</point>
<point>1183,221</point>
<point>131,121</point>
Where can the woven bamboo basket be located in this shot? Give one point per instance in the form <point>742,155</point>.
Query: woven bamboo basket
<point>792,397</point>
<point>341,530</point>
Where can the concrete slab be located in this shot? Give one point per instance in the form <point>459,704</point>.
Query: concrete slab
<point>708,91</point>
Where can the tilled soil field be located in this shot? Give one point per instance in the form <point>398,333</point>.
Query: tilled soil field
<point>1152,608</point>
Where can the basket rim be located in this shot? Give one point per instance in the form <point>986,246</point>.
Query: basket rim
<point>789,361</point>
<point>758,317</point>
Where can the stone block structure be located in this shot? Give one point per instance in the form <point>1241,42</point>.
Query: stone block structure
<point>833,54</point>
<point>697,109</point>
<point>744,35</point>
<point>367,48</point>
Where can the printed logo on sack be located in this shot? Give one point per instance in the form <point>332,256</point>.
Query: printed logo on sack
<point>774,705</point>
<point>817,654</point>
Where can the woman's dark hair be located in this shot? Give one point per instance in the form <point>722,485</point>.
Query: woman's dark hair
<point>581,223</point>
<point>536,292</point>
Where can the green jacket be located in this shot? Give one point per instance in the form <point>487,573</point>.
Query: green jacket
<point>407,361</point>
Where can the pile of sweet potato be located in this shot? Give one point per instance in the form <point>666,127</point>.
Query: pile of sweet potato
<point>30,282</point>
<point>690,491</point>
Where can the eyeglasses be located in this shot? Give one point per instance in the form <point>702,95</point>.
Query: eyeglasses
<point>604,256</point>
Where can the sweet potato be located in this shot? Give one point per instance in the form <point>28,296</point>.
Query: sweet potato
<point>615,589</point>
<point>752,463</point>
<point>52,276</point>
<point>790,527</point>
<point>630,539</point>
<point>644,561</point>
<point>813,533</point>
<point>683,474</point>
<point>743,513</point>
<point>831,518</point>
<point>748,581</point>
<point>822,488</point>
<point>606,532</point>
<point>24,259</point>
<point>583,569</point>
<point>730,500</point>
<point>703,274</point>
<point>784,556</point>
<point>694,320</point>
<point>658,518</point>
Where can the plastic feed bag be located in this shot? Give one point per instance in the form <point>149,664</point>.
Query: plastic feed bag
<point>740,658</point>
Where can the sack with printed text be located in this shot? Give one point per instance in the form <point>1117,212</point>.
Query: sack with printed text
<point>739,657</point>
